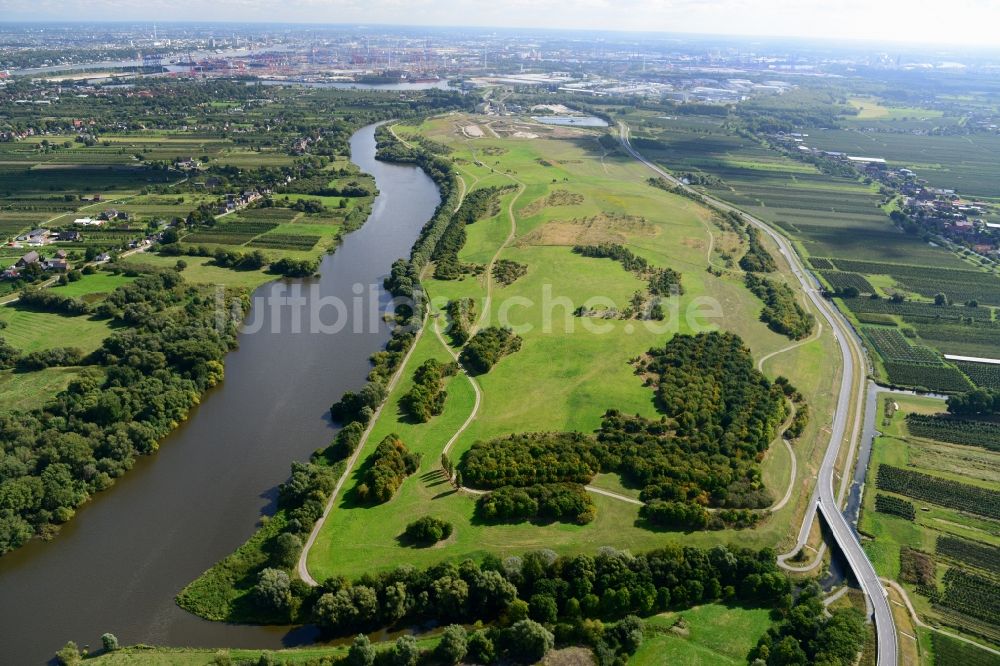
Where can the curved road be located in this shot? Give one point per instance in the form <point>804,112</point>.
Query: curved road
<point>825,496</point>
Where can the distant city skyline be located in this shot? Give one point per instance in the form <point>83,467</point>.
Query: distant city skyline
<point>959,22</point>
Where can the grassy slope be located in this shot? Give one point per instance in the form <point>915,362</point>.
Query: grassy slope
<point>559,379</point>
<point>716,634</point>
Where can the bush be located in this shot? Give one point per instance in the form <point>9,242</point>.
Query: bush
<point>453,646</point>
<point>427,530</point>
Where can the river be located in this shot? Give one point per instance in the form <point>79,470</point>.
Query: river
<point>118,564</point>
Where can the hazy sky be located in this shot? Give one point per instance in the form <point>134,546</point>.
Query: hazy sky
<point>970,22</point>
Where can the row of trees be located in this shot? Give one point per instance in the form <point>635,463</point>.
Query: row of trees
<point>580,600</point>
<point>476,205</point>
<point>757,259</point>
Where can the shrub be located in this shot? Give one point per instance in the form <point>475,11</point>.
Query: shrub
<point>427,530</point>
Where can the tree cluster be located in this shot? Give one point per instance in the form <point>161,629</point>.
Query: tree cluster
<point>487,347</point>
<point>979,401</point>
<point>544,502</point>
<point>808,636</point>
<point>427,530</point>
<point>461,316</point>
<point>427,395</point>
<point>505,271</point>
<point>782,312</point>
<point>386,468</point>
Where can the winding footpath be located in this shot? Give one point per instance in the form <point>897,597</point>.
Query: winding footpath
<point>853,377</point>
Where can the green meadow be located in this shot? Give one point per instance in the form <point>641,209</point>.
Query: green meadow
<point>569,370</point>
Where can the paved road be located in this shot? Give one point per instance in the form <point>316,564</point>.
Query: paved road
<point>825,497</point>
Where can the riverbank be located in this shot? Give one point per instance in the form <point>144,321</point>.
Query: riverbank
<point>176,514</point>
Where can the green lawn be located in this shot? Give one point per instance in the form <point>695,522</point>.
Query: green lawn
<point>92,287</point>
<point>708,635</point>
<point>30,331</point>
<point>27,390</point>
<point>566,375</point>
<point>201,270</point>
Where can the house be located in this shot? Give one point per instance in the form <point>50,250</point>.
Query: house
<point>30,258</point>
<point>103,257</point>
<point>88,222</point>
<point>69,236</point>
<point>34,237</point>
<point>60,265</point>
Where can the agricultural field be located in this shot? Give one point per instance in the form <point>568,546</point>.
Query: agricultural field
<point>564,377</point>
<point>930,518</point>
<point>839,224</point>
<point>962,163</point>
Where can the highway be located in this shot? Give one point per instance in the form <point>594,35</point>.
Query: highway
<point>824,497</point>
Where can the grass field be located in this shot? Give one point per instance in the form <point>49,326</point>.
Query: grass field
<point>92,287</point>
<point>27,390</point>
<point>702,636</point>
<point>201,270</point>
<point>889,533</point>
<point>30,331</point>
<point>564,377</point>
<point>200,657</point>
